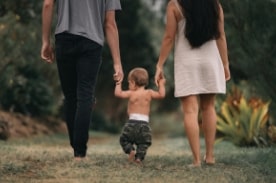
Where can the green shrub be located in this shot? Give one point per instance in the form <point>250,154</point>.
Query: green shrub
<point>27,84</point>
<point>26,92</point>
<point>100,123</point>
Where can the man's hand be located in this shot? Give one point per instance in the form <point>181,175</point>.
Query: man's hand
<point>118,76</point>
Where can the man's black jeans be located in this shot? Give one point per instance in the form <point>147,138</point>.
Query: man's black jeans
<point>78,62</point>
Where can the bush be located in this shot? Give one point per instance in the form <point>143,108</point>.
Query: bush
<point>27,86</point>
<point>26,92</point>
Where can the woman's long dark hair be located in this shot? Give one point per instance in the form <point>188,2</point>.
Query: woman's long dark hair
<point>202,18</point>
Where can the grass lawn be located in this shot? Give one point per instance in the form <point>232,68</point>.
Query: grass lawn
<point>48,159</point>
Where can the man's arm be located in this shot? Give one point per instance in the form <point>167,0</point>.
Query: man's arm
<point>47,53</point>
<point>112,38</point>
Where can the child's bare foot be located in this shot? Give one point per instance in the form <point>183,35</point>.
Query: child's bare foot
<point>138,162</point>
<point>131,156</point>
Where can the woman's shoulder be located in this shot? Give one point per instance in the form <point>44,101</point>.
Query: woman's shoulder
<point>174,7</point>
<point>171,4</point>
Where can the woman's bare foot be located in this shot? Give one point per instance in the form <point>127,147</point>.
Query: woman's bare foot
<point>209,161</point>
<point>131,156</point>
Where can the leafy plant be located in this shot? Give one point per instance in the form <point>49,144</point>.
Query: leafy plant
<point>242,121</point>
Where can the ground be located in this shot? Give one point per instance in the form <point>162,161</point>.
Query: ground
<point>15,125</point>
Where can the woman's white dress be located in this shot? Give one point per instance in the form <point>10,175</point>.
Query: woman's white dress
<point>199,70</point>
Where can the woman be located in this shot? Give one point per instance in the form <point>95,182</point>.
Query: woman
<point>201,69</point>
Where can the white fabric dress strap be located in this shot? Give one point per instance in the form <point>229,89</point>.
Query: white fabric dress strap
<point>178,7</point>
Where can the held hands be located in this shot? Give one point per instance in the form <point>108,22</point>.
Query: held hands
<point>161,81</point>
<point>159,76</point>
<point>118,76</point>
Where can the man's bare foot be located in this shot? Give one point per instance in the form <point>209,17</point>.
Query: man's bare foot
<point>131,156</point>
<point>79,159</point>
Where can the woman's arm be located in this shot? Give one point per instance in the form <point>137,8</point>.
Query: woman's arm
<point>168,40</point>
<point>222,45</point>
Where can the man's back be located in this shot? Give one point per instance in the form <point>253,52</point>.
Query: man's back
<point>84,17</point>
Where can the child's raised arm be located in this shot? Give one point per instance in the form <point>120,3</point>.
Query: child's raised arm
<point>120,93</point>
<point>161,91</point>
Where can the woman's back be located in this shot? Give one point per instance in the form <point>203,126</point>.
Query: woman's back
<point>202,19</point>
<point>197,70</point>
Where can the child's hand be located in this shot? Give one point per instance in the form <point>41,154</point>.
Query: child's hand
<point>118,83</point>
<point>158,75</point>
<point>162,81</point>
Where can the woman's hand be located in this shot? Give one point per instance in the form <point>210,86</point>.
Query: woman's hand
<point>227,73</point>
<point>158,75</point>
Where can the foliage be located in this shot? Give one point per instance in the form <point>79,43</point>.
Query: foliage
<point>26,84</point>
<point>242,121</point>
<point>251,36</point>
<point>100,124</point>
<point>25,92</point>
<point>25,10</point>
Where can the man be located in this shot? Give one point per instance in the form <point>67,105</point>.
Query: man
<point>79,38</point>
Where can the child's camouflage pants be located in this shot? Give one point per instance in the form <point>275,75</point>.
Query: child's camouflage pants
<point>136,133</point>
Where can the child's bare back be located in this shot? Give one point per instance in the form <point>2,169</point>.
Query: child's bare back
<point>139,101</point>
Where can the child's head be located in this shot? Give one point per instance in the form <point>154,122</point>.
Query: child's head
<point>139,76</point>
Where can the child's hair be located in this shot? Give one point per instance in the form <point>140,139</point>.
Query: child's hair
<point>139,76</point>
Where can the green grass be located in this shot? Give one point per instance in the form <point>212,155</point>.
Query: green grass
<point>48,159</point>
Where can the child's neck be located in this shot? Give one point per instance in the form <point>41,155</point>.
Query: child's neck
<point>139,88</point>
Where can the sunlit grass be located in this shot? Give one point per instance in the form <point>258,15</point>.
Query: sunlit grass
<point>49,159</point>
